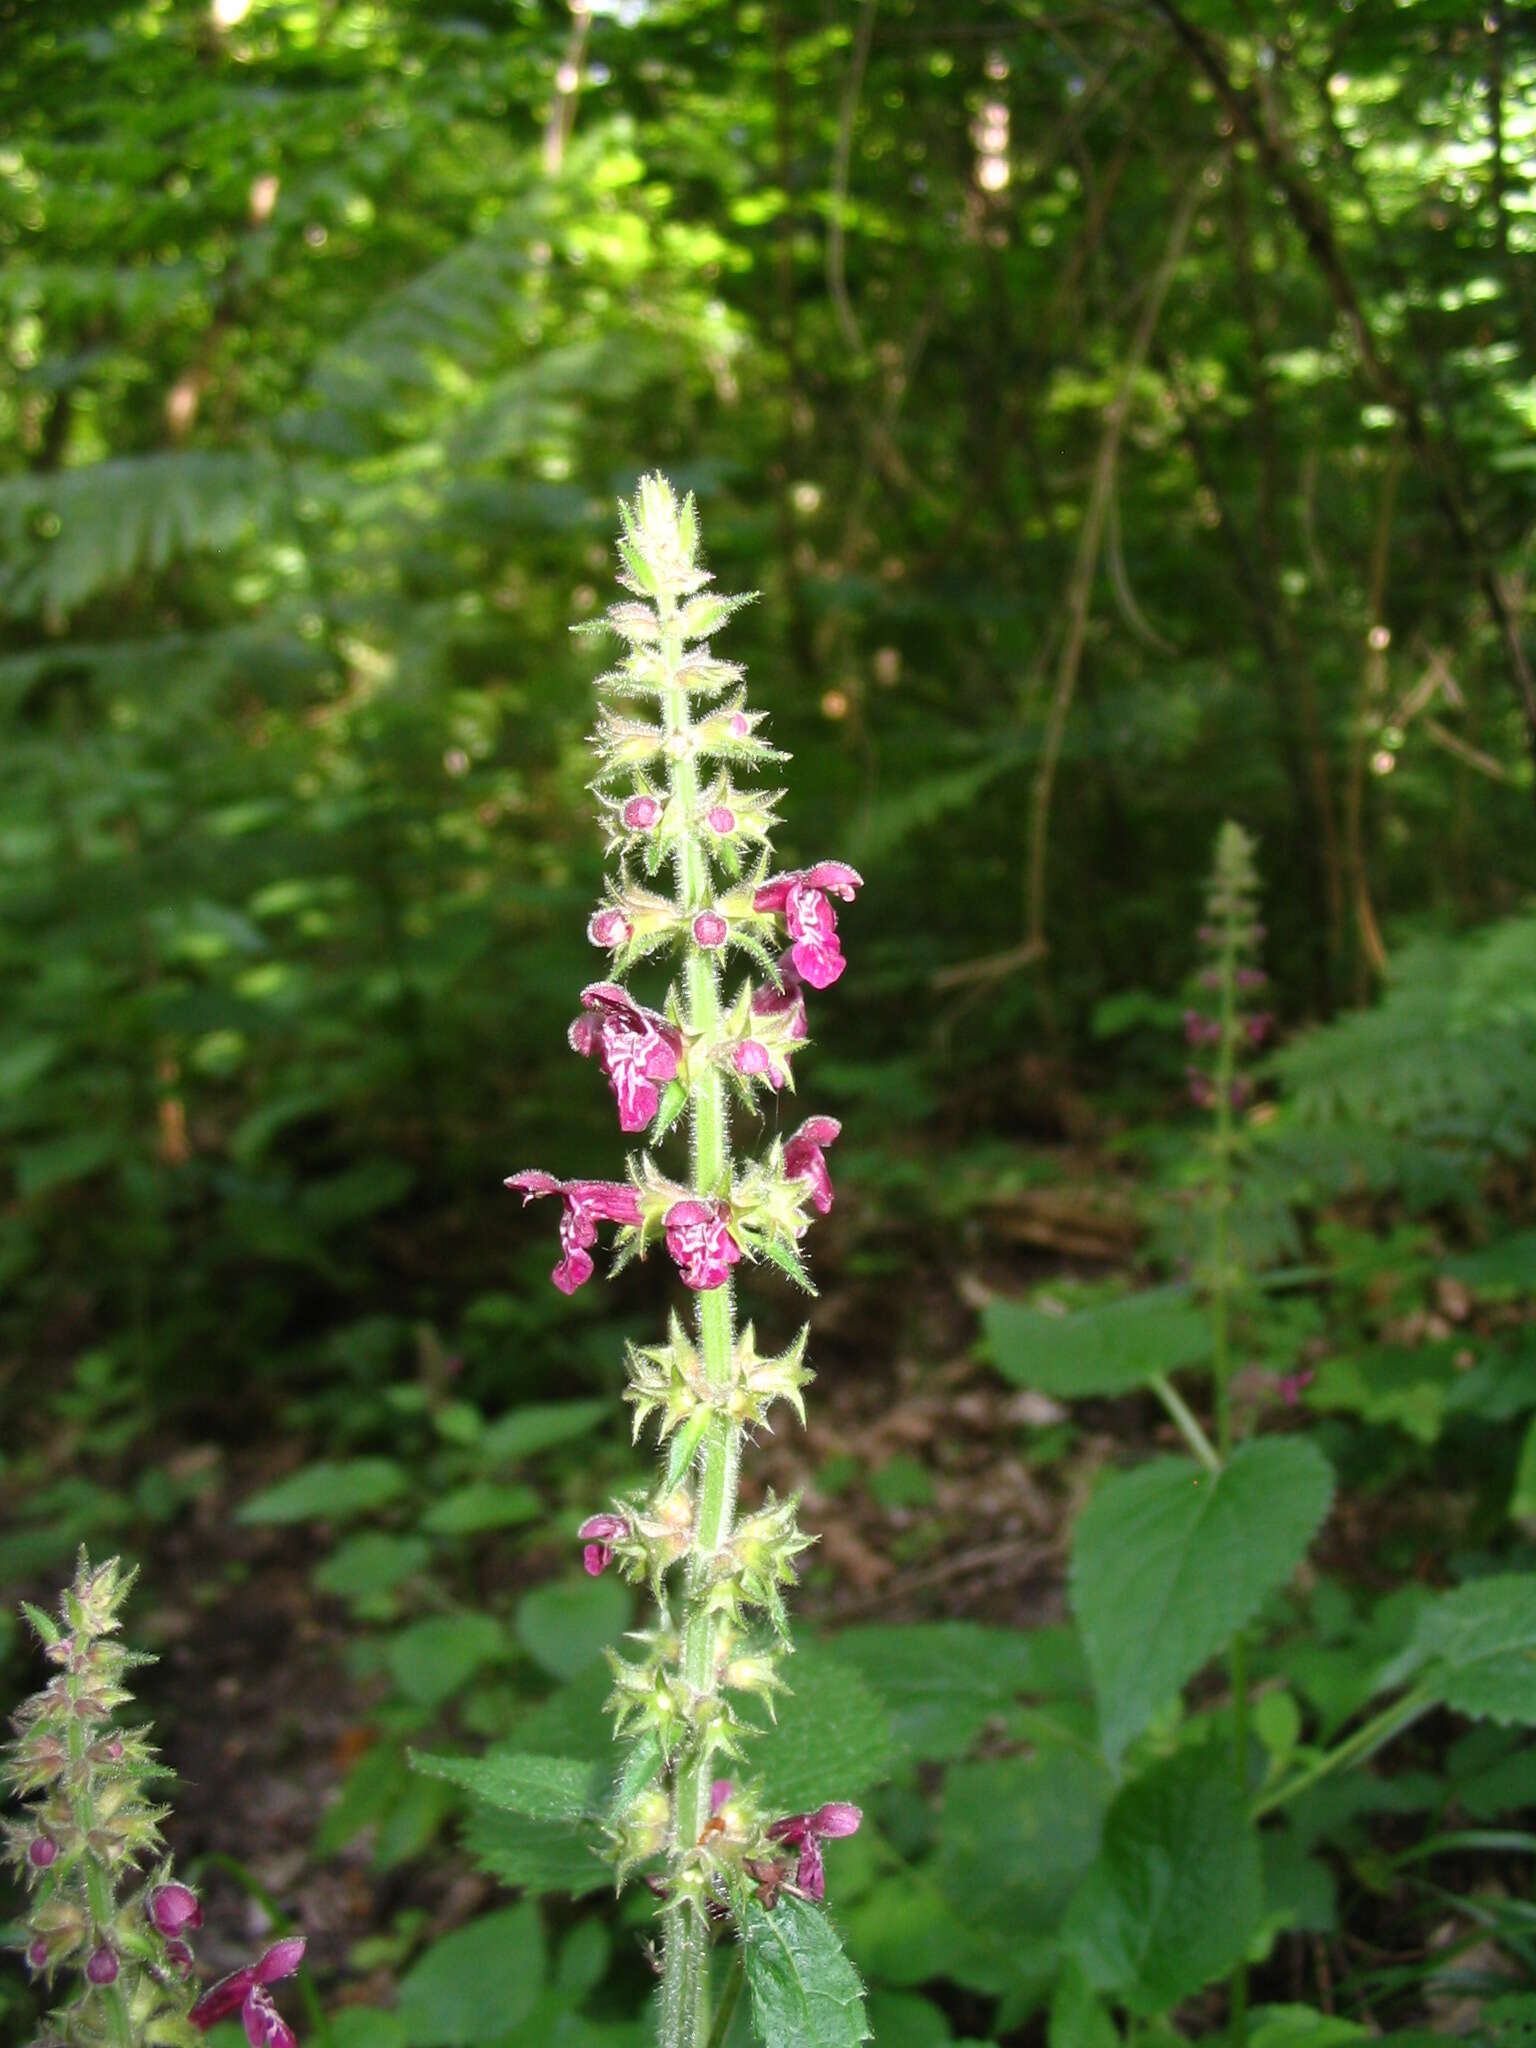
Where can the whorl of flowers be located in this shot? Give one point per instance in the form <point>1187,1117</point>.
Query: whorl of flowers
<point>674,735</point>
<point>106,1924</point>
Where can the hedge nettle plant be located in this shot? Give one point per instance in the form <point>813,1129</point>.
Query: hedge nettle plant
<point>107,1924</point>
<point>673,735</point>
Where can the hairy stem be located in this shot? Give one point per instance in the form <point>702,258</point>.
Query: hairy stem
<point>685,1972</point>
<point>1184,1421</point>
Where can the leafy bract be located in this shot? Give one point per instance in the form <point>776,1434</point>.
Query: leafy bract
<point>1104,1350</point>
<point>805,1992</point>
<point>1169,1561</point>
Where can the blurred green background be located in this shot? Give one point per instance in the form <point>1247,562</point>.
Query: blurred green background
<point>1125,413</point>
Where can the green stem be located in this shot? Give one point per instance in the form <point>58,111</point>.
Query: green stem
<point>1184,1421</point>
<point>1356,1748</point>
<point>1221,1366</point>
<point>685,1968</point>
<point>726,2010</point>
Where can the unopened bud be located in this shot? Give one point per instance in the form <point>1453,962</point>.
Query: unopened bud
<point>42,1852</point>
<point>102,1967</point>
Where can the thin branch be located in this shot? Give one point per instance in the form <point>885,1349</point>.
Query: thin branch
<point>837,281</point>
<point>1085,566</point>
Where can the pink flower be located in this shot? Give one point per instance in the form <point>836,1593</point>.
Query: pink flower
<point>719,1792</point>
<point>809,919</point>
<point>700,1240</point>
<point>1292,1385</point>
<point>741,725</point>
<point>1202,1090</point>
<point>637,1048</point>
<point>587,1203</point>
<point>804,1158</point>
<point>1258,1027</point>
<point>245,1991</point>
<point>640,813</point>
<point>806,1832</point>
<point>1200,1030</point>
<point>174,1907</point>
<point>787,1002</point>
<point>1251,978</point>
<point>609,929</point>
<point>709,929</point>
<point>750,1058</point>
<point>598,1533</point>
<point>721,818</point>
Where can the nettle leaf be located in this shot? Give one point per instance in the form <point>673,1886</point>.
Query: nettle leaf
<point>1078,2020</point>
<point>1177,1892</point>
<point>476,1983</point>
<point>482,1505</point>
<point>1106,1350</point>
<point>1300,2026</point>
<point>539,1857</point>
<point>805,1992</point>
<point>566,1625</point>
<point>523,1432</point>
<point>1482,1638</point>
<point>831,1739</point>
<point>431,1659</point>
<point>327,1492</point>
<point>1170,1561</point>
<point>1018,1834</point>
<point>547,1788</point>
<point>944,1680</point>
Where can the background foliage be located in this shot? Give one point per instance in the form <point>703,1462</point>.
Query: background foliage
<point>1124,411</point>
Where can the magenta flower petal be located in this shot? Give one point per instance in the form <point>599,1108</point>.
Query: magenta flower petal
<point>700,1240</point>
<point>264,2025</point>
<point>710,929</point>
<point>223,1998</point>
<point>586,1203</point>
<point>637,1048</point>
<point>836,1819</point>
<point>721,819</point>
<point>811,1874</point>
<point>719,1792</point>
<point>609,929</point>
<point>804,1158</point>
<point>641,813</point>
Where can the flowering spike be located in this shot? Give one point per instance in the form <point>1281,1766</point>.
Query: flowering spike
<point>677,747</point>
<point>90,1830</point>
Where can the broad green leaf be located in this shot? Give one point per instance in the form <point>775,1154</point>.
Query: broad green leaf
<point>805,1993</point>
<point>1522,1501</point>
<point>900,2019</point>
<point>327,1492</point>
<point>524,1432</point>
<point>1170,1561</point>
<point>363,2027</point>
<point>1177,1891</point>
<point>1300,2026</point>
<point>567,1625</point>
<point>831,1738</point>
<point>538,1856</point>
<point>431,1659</point>
<point>475,1984</point>
<point>482,1505</point>
<point>58,1162</point>
<point>1400,1385</point>
<point>547,1788</point>
<point>944,1680</point>
<point>1507,1266</point>
<point>1105,1350</point>
<point>1016,1835</point>
<point>369,1564</point>
<point>1078,2020</point>
<point>1482,1641</point>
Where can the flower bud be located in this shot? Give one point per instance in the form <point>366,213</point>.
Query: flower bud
<point>709,930</point>
<point>174,1907</point>
<point>42,1852</point>
<point>641,813</point>
<point>102,1966</point>
<point>609,929</point>
<point>37,1954</point>
<point>721,819</point>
